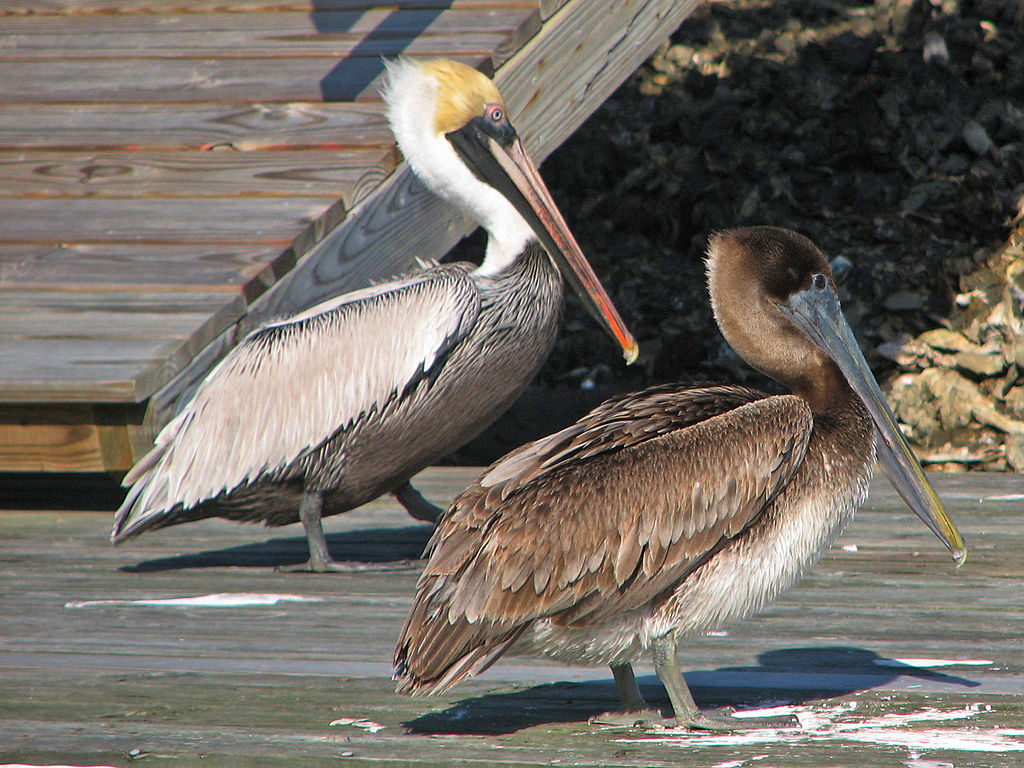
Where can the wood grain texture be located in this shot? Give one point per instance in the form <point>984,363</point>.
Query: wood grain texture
<point>293,125</point>
<point>549,8</point>
<point>155,221</point>
<point>222,173</point>
<point>156,7</point>
<point>55,440</point>
<point>154,268</point>
<point>585,53</point>
<point>89,681</point>
<point>65,439</point>
<point>72,345</point>
<point>74,370</point>
<point>379,31</point>
<point>210,80</point>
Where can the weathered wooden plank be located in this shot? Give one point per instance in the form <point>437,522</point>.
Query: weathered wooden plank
<point>549,8</point>
<point>155,127</point>
<point>65,439</point>
<point>83,370</point>
<point>221,79</point>
<point>349,175</point>
<point>70,312</point>
<point>170,222</point>
<point>553,732</point>
<point>111,7</point>
<point>88,682</point>
<point>149,268</point>
<point>78,346</point>
<point>329,48</point>
<point>608,43</point>
<point>380,31</point>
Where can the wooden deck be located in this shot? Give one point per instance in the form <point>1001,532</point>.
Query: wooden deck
<point>888,654</point>
<point>174,173</point>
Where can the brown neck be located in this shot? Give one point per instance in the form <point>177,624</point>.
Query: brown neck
<point>824,387</point>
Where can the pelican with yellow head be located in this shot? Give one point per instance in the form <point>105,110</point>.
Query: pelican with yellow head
<point>324,411</point>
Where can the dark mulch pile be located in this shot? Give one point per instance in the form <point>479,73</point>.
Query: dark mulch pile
<point>892,134</point>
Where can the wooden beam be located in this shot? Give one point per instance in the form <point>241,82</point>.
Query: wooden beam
<point>67,438</point>
<point>549,8</point>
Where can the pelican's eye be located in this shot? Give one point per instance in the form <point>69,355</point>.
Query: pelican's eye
<point>819,282</point>
<point>495,114</point>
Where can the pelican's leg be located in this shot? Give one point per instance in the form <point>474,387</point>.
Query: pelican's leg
<point>320,560</point>
<point>415,504</point>
<point>666,664</point>
<point>634,708</point>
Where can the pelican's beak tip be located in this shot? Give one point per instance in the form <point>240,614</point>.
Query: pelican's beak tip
<point>631,353</point>
<point>960,556</point>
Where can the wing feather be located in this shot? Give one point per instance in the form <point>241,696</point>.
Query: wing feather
<point>579,540</point>
<point>291,385</point>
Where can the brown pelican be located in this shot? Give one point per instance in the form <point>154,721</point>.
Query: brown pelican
<point>324,411</point>
<point>666,513</point>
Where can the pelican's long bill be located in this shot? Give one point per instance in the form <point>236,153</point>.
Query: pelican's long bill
<point>505,166</point>
<point>816,311</point>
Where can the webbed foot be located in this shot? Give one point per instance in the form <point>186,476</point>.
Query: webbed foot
<point>720,720</point>
<point>632,719</point>
<point>333,566</point>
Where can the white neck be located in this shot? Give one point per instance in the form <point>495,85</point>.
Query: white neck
<point>411,97</point>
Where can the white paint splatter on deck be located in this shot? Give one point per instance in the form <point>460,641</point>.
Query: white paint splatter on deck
<point>740,763</point>
<point>218,600</point>
<point>834,724</point>
<point>359,722</point>
<point>914,760</point>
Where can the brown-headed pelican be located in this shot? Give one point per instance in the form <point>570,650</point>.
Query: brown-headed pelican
<point>666,513</point>
<point>324,411</point>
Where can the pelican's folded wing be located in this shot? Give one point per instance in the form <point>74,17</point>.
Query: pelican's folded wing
<point>291,385</point>
<point>596,536</point>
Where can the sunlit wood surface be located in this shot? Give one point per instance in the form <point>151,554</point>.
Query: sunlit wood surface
<point>889,655</point>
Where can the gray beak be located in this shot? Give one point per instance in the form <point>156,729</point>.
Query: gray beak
<point>815,310</point>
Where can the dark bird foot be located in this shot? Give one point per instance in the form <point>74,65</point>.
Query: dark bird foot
<point>332,566</point>
<point>636,718</point>
<point>722,721</point>
<point>687,715</point>
<point>416,505</point>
